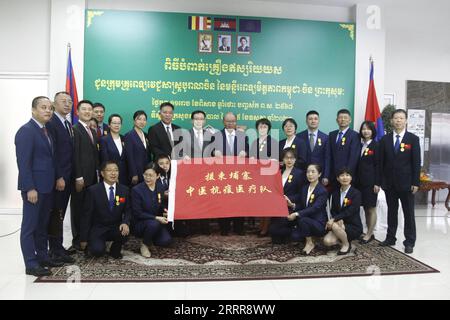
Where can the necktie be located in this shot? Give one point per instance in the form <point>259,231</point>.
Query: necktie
<point>90,134</point>
<point>397,143</point>
<point>200,138</point>
<point>311,141</point>
<point>111,198</point>
<point>339,139</point>
<point>165,182</point>
<point>67,125</point>
<point>99,132</point>
<point>44,129</point>
<point>169,135</point>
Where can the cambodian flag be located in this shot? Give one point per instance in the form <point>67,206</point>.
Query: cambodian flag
<point>71,87</point>
<point>372,109</point>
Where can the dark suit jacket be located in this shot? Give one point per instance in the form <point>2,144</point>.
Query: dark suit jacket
<point>350,213</point>
<point>321,152</point>
<point>299,145</point>
<point>269,151</point>
<point>402,170</point>
<point>292,187</point>
<point>317,207</point>
<point>145,203</point>
<point>63,148</point>
<point>222,48</point>
<point>159,141</point>
<point>109,151</point>
<point>368,166</point>
<point>85,155</point>
<point>35,159</point>
<point>346,155</point>
<point>136,153</point>
<point>192,146</point>
<point>220,143</point>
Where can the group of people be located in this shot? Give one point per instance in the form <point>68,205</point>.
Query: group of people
<point>118,184</point>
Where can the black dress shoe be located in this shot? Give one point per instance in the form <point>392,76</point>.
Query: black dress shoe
<point>362,241</point>
<point>116,255</point>
<point>343,253</point>
<point>51,264</point>
<point>63,258</point>
<point>38,272</point>
<point>387,243</point>
<point>409,249</point>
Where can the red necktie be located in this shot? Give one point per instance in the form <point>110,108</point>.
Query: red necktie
<point>99,132</point>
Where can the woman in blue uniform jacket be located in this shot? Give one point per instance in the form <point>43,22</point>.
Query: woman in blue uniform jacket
<point>149,217</point>
<point>292,141</point>
<point>345,223</point>
<point>137,148</point>
<point>292,178</point>
<point>112,147</point>
<point>369,177</point>
<point>311,211</point>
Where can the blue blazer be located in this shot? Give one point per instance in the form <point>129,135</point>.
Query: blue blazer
<point>146,204</point>
<point>317,207</point>
<point>109,151</point>
<point>137,155</point>
<point>293,186</point>
<point>298,145</point>
<point>35,159</point>
<point>266,152</point>
<point>401,170</point>
<point>63,148</point>
<point>344,155</point>
<point>97,213</point>
<point>321,152</point>
<point>368,166</point>
<point>350,213</point>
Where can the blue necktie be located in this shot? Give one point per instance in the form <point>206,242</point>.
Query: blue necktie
<point>339,139</point>
<point>111,198</point>
<point>397,144</point>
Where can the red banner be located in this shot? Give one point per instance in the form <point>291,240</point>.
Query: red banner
<point>225,189</point>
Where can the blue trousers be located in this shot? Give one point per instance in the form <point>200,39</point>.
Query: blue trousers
<point>151,231</point>
<point>308,227</point>
<point>98,236</point>
<point>34,229</point>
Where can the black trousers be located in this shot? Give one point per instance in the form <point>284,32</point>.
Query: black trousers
<point>407,200</point>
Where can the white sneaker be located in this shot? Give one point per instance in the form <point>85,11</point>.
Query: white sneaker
<point>145,252</point>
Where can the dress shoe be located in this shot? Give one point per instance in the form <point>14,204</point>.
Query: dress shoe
<point>343,253</point>
<point>116,255</point>
<point>409,249</point>
<point>63,258</point>
<point>38,272</point>
<point>387,243</point>
<point>51,264</point>
<point>362,241</point>
<point>145,252</point>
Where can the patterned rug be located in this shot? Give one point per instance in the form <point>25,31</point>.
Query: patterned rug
<point>215,257</point>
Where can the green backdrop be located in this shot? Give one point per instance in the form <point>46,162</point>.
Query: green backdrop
<point>136,60</point>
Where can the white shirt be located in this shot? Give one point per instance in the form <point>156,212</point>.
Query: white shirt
<point>343,195</point>
<point>230,138</point>
<point>170,129</point>
<point>343,133</point>
<point>142,137</point>
<point>310,192</point>
<point>199,136</point>
<point>288,143</point>
<point>107,186</point>
<point>394,135</point>
<point>118,144</point>
<point>315,135</point>
<point>61,118</point>
<point>285,175</point>
<point>365,146</point>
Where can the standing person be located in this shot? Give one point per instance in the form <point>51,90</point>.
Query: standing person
<point>400,168</point>
<point>99,115</point>
<point>61,130</point>
<point>317,150</point>
<point>112,147</point>
<point>36,164</point>
<point>162,136</point>
<point>368,177</point>
<point>85,166</point>
<point>289,126</point>
<point>344,146</point>
<point>137,148</point>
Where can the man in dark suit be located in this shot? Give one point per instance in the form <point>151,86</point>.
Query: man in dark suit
<point>163,136</point>
<point>107,214</point>
<point>36,164</point>
<point>317,150</point>
<point>344,147</point>
<point>99,115</point>
<point>230,142</point>
<point>85,165</point>
<point>61,131</point>
<point>225,47</point>
<point>400,167</point>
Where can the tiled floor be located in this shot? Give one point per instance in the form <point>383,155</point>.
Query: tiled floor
<point>432,248</point>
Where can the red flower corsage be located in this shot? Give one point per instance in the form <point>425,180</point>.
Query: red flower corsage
<point>122,200</point>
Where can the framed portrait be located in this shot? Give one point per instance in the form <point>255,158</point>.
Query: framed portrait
<point>224,43</point>
<point>389,98</point>
<point>243,44</point>
<point>205,42</point>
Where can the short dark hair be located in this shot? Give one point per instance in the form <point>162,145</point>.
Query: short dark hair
<point>289,150</point>
<point>113,116</point>
<point>344,111</point>
<point>161,156</point>
<point>95,120</point>
<point>98,104</point>
<point>197,112</point>
<point>311,112</point>
<point>60,93</point>
<point>243,38</point>
<point>344,170</point>
<point>139,113</point>
<point>315,165</point>
<point>84,101</point>
<point>291,120</point>
<point>399,111</point>
<point>154,166</point>
<point>36,100</point>
<point>263,121</point>
<point>106,163</point>
<point>371,127</point>
<point>166,104</point>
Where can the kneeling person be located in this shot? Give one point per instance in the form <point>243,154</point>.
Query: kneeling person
<point>107,214</point>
